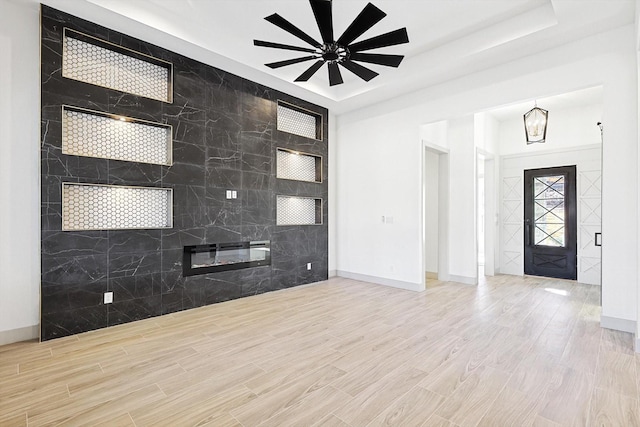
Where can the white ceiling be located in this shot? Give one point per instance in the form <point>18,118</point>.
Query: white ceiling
<point>578,98</point>
<point>448,38</point>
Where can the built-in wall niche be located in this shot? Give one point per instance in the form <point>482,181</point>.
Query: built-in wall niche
<point>99,62</point>
<point>294,210</point>
<point>91,133</point>
<point>115,207</point>
<point>298,166</point>
<point>298,121</point>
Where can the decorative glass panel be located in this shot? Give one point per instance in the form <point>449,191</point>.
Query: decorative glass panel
<point>114,207</point>
<point>549,212</point>
<point>298,211</point>
<point>100,63</point>
<point>298,166</point>
<point>95,134</point>
<point>293,120</point>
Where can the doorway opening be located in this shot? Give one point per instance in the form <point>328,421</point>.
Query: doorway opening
<point>436,214</point>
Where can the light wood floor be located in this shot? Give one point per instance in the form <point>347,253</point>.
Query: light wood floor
<point>512,351</point>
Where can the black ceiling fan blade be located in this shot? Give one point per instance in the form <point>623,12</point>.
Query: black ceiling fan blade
<point>377,58</point>
<point>282,46</point>
<point>387,39</point>
<point>363,72</point>
<point>369,17</point>
<point>310,71</point>
<point>324,19</point>
<point>279,21</point>
<point>290,61</point>
<point>335,78</point>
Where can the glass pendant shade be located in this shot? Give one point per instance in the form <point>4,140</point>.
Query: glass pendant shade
<point>535,125</point>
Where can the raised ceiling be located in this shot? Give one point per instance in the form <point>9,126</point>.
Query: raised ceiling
<point>582,97</point>
<point>448,38</point>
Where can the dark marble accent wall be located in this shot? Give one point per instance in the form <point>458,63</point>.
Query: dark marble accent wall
<point>225,138</point>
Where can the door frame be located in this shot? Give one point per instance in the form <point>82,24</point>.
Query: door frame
<point>443,210</point>
<point>570,217</point>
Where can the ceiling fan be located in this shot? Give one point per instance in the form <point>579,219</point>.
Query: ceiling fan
<point>342,51</point>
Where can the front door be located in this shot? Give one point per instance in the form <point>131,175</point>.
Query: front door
<point>550,233</point>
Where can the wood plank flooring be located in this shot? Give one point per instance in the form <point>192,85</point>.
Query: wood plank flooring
<point>513,351</point>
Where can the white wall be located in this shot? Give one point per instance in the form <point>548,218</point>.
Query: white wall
<point>637,28</point>
<point>462,201</point>
<point>486,132</point>
<point>435,134</point>
<point>19,171</point>
<point>570,131</point>
<point>431,226</point>
<point>487,143</point>
<point>588,183</point>
<point>491,233</point>
<point>380,180</point>
<point>388,135</point>
<point>568,128</point>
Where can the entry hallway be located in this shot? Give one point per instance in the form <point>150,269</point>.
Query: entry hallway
<point>511,351</point>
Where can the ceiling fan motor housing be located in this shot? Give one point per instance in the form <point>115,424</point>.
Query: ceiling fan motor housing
<point>334,52</point>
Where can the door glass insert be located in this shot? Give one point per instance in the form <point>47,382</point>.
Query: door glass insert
<point>549,218</point>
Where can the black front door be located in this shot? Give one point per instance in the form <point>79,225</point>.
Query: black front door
<point>550,232</point>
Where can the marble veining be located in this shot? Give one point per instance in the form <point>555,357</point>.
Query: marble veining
<point>224,138</point>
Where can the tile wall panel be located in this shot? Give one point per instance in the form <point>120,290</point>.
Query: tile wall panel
<point>225,137</point>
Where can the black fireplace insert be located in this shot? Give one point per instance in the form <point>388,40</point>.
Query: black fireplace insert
<point>202,259</point>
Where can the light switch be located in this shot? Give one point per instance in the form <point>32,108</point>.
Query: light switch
<point>234,194</point>
<point>229,194</point>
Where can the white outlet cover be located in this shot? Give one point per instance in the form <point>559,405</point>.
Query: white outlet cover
<point>108,297</point>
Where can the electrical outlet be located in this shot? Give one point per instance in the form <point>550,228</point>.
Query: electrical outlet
<point>108,297</point>
<point>308,266</point>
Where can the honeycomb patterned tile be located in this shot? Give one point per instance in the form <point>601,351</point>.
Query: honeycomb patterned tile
<point>93,134</point>
<point>296,122</point>
<point>300,167</point>
<point>97,65</point>
<point>111,207</point>
<point>295,210</point>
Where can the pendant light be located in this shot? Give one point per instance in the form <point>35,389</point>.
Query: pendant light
<point>535,125</point>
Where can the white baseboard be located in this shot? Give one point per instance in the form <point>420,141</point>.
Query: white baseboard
<point>21,334</point>
<point>333,273</point>
<point>463,279</point>
<point>637,348</point>
<point>382,281</point>
<point>614,323</point>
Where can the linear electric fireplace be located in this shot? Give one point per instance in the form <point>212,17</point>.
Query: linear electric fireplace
<point>202,259</point>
